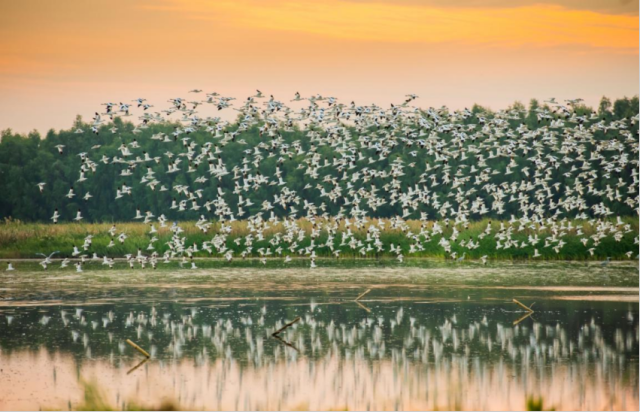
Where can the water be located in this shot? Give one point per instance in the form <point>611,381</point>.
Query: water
<point>432,337</point>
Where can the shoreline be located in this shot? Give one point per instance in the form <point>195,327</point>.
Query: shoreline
<point>384,259</point>
<point>580,243</point>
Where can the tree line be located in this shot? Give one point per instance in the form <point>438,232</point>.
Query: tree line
<point>29,159</point>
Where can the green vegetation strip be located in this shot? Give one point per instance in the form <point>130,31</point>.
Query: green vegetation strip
<point>23,240</point>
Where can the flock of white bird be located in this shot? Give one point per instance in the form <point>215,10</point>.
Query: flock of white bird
<point>365,173</point>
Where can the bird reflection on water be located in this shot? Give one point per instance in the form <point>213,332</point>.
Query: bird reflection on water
<point>373,354</point>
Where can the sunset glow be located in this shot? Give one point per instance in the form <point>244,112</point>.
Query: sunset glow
<point>538,25</point>
<point>60,59</point>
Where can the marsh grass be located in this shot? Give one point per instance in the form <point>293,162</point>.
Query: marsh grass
<point>23,240</point>
<point>95,400</point>
<point>536,404</point>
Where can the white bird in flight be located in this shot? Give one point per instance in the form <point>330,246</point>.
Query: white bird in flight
<point>330,176</point>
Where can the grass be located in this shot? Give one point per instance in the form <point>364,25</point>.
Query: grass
<point>536,404</point>
<point>20,240</point>
<point>94,400</point>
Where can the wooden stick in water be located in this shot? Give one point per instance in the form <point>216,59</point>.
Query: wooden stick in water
<point>526,315</point>
<point>285,326</point>
<point>137,366</point>
<point>284,342</point>
<point>363,306</point>
<point>362,294</point>
<point>138,348</point>
<point>527,308</point>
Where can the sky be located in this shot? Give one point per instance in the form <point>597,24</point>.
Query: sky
<point>61,59</point>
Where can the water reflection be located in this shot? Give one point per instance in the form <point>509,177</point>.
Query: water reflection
<point>379,355</point>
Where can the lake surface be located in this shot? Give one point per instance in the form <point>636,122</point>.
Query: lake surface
<point>427,336</point>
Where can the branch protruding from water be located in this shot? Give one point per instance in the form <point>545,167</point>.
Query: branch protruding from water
<point>362,294</point>
<point>522,305</point>
<point>138,348</point>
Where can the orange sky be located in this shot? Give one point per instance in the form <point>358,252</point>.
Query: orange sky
<point>59,59</point>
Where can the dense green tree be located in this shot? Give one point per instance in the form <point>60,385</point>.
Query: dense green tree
<point>532,116</point>
<point>26,160</point>
<point>604,108</point>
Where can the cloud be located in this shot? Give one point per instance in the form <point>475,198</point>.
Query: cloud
<point>629,7</point>
<point>376,21</point>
